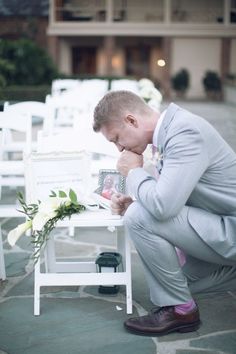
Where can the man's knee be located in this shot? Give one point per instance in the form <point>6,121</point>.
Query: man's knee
<point>137,217</point>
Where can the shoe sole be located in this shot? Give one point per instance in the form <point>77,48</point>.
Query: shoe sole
<point>182,329</point>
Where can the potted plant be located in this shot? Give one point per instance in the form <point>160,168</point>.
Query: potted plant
<point>212,85</point>
<point>180,82</point>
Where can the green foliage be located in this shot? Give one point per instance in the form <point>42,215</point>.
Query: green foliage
<point>24,93</point>
<point>180,81</point>
<point>211,81</point>
<point>25,63</point>
<point>6,68</point>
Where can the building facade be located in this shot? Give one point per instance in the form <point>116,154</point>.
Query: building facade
<point>136,38</point>
<point>151,38</point>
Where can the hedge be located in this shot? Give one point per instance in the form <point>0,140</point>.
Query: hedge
<point>24,93</point>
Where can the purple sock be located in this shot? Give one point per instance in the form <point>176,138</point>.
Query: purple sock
<point>183,309</point>
<point>181,256</point>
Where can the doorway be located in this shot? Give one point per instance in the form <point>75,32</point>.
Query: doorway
<point>138,61</point>
<point>84,60</point>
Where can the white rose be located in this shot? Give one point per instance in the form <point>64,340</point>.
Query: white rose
<point>156,95</point>
<point>145,83</point>
<point>145,92</point>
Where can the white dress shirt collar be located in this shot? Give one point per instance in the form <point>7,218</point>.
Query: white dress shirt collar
<point>157,129</point>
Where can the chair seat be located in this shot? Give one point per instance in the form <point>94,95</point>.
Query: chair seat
<point>12,168</point>
<point>89,218</point>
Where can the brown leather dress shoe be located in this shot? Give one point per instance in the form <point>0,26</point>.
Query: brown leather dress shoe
<point>163,321</point>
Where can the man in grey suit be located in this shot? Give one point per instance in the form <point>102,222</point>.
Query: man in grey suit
<point>183,220</point>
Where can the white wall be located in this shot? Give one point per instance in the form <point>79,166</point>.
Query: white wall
<point>197,55</point>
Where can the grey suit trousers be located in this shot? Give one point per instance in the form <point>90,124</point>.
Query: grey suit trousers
<point>155,241</point>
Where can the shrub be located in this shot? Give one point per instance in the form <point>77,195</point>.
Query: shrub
<point>26,63</point>
<point>211,81</point>
<point>180,81</point>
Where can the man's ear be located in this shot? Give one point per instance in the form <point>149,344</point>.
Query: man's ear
<point>131,120</point>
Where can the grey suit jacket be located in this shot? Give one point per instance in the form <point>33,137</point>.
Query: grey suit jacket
<point>199,170</point>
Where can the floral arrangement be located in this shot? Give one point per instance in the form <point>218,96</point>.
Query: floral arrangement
<point>150,93</point>
<point>43,216</point>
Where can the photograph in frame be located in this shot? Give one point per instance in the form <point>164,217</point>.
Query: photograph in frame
<point>110,181</point>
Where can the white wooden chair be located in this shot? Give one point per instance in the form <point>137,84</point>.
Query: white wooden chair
<point>47,172</point>
<point>125,84</point>
<point>12,172</point>
<point>39,115</point>
<point>61,85</point>
<point>63,111</point>
<point>82,137</point>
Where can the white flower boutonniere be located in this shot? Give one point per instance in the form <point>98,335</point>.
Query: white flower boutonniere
<point>153,161</point>
<point>158,156</point>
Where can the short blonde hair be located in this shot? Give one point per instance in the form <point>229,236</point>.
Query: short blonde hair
<point>115,105</point>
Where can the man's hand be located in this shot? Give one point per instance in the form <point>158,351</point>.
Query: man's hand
<point>127,161</point>
<point>119,203</point>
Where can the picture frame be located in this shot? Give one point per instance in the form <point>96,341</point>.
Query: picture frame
<point>110,181</point>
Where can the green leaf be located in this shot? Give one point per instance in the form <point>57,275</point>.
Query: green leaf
<point>62,194</point>
<point>53,194</point>
<point>73,196</point>
<point>20,195</point>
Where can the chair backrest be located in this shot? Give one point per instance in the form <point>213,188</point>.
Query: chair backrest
<point>56,171</point>
<point>103,154</point>
<point>95,87</point>
<point>61,85</point>
<point>76,140</point>
<point>16,123</point>
<point>125,84</point>
<point>63,110</point>
<point>34,108</point>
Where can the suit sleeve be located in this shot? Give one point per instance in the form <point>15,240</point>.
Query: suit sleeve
<point>185,160</point>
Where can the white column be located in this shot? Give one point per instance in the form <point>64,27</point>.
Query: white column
<point>52,11</point>
<point>227,12</point>
<point>167,11</point>
<point>109,10</point>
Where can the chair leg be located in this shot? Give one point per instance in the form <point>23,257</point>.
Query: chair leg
<point>37,288</point>
<point>123,247</point>
<point>50,256</point>
<point>2,262</point>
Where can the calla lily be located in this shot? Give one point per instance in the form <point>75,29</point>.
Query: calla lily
<point>16,233</point>
<point>48,210</point>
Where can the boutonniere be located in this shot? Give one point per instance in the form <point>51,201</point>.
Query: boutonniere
<point>157,157</point>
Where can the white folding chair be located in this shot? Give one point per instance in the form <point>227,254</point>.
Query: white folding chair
<point>63,111</point>
<point>61,85</point>
<point>39,114</point>
<point>82,137</point>
<point>12,171</point>
<point>125,84</point>
<point>47,172</point>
